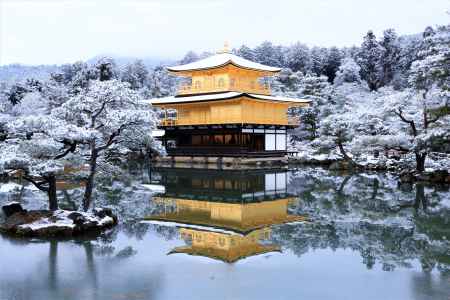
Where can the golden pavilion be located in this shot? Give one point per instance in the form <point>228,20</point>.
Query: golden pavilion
<point>224,108</point>
<point>224,215</point>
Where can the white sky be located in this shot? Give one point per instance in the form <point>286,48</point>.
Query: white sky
<point>59,31</point>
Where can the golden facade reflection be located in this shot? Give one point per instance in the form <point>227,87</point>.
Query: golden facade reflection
<point>224,215</point>
<point>238,217</point>
<point>227,247</point>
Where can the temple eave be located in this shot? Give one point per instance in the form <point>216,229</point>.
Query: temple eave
<point>224,255</point>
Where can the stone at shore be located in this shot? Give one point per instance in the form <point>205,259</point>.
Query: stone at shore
<point>59,223</point>
<point>342,165</point>
<point>12,208</point>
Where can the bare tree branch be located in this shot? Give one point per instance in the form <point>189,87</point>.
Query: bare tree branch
<point>39,185</point>
<point>411,123</point>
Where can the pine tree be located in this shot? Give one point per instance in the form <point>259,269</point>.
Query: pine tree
<point>107,69</point>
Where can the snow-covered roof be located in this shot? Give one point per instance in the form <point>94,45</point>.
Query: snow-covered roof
<point>223,96</point>
<point>222,59</point>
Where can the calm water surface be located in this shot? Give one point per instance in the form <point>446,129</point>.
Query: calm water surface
<point>275,234</point>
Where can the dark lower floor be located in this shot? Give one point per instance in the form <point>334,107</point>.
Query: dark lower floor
<point>226,140</point>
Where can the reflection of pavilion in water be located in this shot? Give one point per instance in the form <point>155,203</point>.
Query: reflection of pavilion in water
<point>224,215</point>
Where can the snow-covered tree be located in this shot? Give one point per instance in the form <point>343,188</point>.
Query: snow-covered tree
<point>135,74</point>
<point>332,63</point>
<point>409,49</point>
<point>356,113</point>
<point>191,56</point>
<point>36,151</point>
<point>412,124</point>
<point>77,76</point>
<point>246,53</point>
<point>369,59</point>
<point>390,57</point>
<point>349,72</point>
<point>19,90</point>
<point>298,58</point>
<point>287,82</point>
<point>427,111</point>
<point>270,55</point>
<point>319,91</point>
<point>432,68</point>
<point>160,83</point>
<point>318,60</point>
<point>101,118</point>
<point>107,69</point>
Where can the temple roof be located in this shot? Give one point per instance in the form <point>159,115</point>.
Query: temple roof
<point>223,96</point>
<point>222,59</point>
<point>226,256</point>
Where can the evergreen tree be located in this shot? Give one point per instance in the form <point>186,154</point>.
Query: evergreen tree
<point>191,56</point>
<point>332,63</point>
<point>160,83</point>
<point>298,58</point>
<point>321,93</point>
<point>432,68</point>
<point>270,55</point>
<point>369,59</point>
<point>318,59</point>
<point>409,49</point>
<point>107,69</point>
<point>16,93</point>
<point>135,74</point>
<point>246,53</point>
<point>390,57</point>
<point>77,76</point>
<point>348,72</point>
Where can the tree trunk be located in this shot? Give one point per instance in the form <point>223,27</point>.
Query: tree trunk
<point>420,197</point>
<point>420,161</point>
<point>53,265</point>
<point>90,180</point>
<point>52,198</point>
<point>342,150</point>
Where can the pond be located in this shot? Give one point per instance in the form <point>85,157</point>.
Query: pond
<point>305,233</point>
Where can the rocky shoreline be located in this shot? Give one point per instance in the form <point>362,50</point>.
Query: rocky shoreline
<point>60,223</point>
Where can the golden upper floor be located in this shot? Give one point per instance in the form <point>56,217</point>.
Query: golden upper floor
<point>224,72</point>
<point>233,108</point>
<point>224,79</point>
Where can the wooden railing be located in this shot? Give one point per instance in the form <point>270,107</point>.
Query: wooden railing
<point>187,89</point>
<point>168,122</point>
<point>173,122</point>
<point>291,120</point>
<point>222,151</point>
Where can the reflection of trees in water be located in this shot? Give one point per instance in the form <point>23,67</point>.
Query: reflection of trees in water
<point>168,233</point>
<point>370,214</point>
<point>82,282</point>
